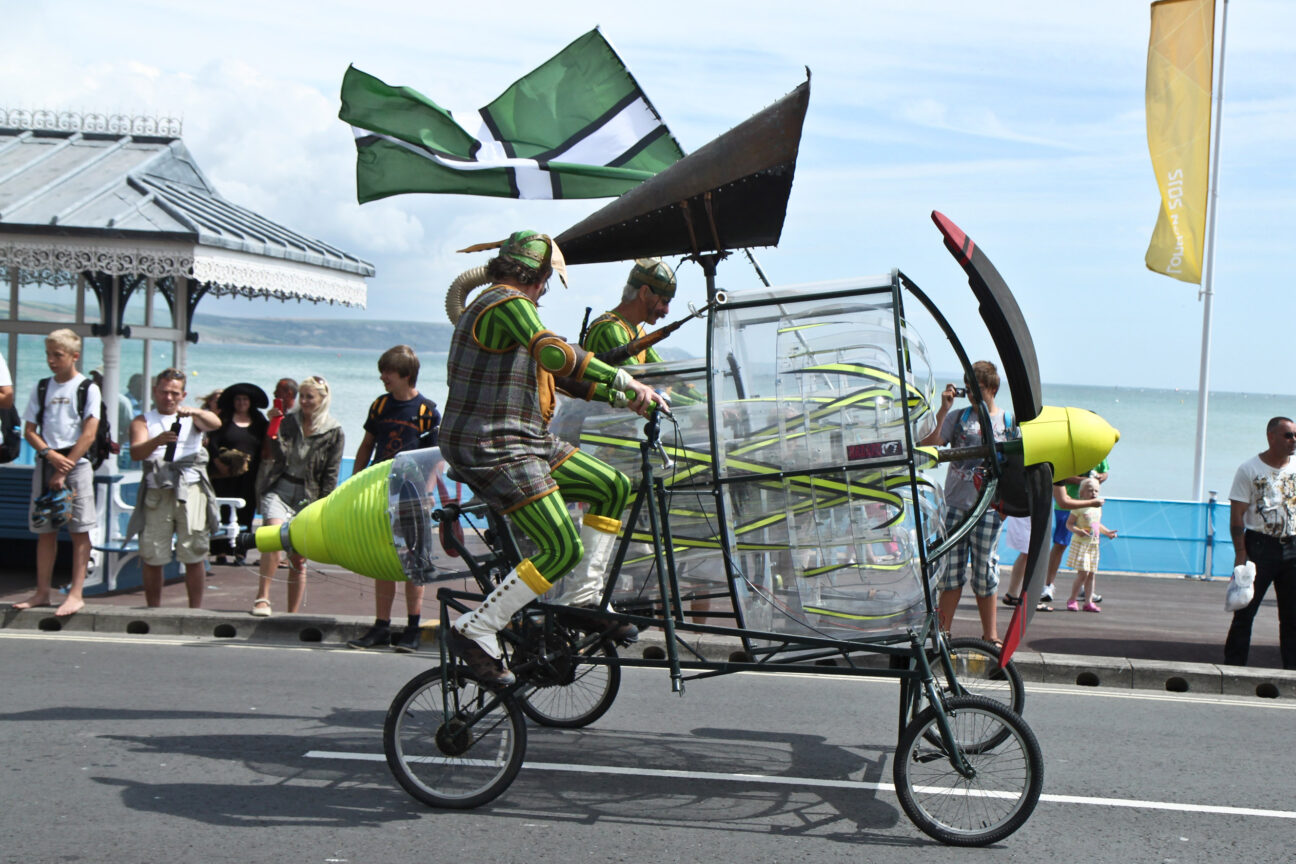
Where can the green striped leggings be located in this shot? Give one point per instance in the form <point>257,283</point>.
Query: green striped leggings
<point>550,527</point>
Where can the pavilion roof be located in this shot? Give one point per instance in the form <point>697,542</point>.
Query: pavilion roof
<point>121,202</point>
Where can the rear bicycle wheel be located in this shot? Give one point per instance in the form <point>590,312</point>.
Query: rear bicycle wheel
<point>458,746</point>
<point>976,669</point>
<point>1002,789</point>
<point>584,695</point>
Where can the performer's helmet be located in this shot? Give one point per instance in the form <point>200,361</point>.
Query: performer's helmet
<point>536,251</point>
<point>656,274</point>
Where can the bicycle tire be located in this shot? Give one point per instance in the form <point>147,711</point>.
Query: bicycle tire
<point>969,811</point>
<point>579,702</point>
<point>976,666</point>
<point>443,762</point>
<point>976,669</point>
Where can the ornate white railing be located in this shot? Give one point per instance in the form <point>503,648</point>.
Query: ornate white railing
<point>90,121</point>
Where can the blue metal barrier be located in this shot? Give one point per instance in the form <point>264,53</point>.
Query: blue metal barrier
<point>1161,537</point>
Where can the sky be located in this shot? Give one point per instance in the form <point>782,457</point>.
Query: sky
<point>1022,121</point>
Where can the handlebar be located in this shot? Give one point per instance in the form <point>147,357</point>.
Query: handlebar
<point>450,512</point>
<point>652,433</point>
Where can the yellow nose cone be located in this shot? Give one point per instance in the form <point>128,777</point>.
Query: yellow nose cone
<point>1072,439</point>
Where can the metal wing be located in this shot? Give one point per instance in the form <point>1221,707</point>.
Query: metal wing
<point>730,194</point>
<point>1007,326</point>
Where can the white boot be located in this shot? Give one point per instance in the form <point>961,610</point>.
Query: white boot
<point>583,586</point>
<point>479,627</point>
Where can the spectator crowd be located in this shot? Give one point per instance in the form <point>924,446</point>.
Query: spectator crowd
<point>207,470</point>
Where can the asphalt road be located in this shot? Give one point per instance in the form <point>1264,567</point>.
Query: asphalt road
<point>143,749</point>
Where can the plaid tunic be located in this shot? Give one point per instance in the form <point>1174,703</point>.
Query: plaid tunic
<point>493,432</point>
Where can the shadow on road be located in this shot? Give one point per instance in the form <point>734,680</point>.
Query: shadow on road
<point>846,815</point>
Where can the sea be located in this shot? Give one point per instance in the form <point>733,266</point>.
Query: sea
<point>1153,459</point>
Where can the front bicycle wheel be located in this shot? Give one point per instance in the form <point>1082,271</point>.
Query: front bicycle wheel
<point>995,797</point>
<point>583,696</point>
<point>976,670</point>
<point>458,745</point>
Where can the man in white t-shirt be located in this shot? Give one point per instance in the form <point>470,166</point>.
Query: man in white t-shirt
<point>61,429</point>
<point>177,500</point>
<point>6,385</point>
<point>1262,522</point>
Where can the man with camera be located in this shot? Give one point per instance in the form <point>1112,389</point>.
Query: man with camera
<point>176,496</point>
<point>978,551</point>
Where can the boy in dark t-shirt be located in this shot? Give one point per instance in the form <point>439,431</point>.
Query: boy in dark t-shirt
<point>399,420</point>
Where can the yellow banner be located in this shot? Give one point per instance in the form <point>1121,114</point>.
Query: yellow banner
<point>1179,71</point>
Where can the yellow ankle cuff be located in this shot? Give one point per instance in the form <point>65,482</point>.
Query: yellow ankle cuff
<point>604,524</point>
<point>531,577</point>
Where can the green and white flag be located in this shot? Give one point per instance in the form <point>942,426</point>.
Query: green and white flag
<point>577,127</point>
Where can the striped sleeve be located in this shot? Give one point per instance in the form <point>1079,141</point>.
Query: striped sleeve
<point>604,336</point>
<point>516,321</point>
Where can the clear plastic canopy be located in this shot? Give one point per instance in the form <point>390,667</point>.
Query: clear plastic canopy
<point>788,470</point>
<point>819,394</point>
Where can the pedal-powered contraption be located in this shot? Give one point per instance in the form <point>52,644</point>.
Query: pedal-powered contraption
<point>787,502</point>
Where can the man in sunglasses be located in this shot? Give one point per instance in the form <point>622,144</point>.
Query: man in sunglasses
<point>1262,522</point>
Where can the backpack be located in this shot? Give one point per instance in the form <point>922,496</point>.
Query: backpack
<point>428,419</point>
<point>12,443</point>
<point>103,445</point>
<point>429,423</point>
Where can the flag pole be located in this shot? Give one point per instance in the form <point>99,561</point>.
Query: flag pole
<point>1207,289</point>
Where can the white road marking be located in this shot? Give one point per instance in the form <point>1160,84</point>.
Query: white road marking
<point>1058,690</point>
<point>1130,803</point>
<point>146,639</point>
<point>129,639</point>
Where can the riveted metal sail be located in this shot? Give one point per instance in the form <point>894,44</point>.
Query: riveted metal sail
<point>730,194</point>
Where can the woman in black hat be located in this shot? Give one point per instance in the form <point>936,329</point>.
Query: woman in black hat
<point>235,450</point>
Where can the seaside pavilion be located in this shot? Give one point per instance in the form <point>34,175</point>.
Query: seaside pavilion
<point>109,227</point>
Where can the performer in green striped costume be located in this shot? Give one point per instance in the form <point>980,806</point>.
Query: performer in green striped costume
<point>645,299</point>
<point>495,435</point>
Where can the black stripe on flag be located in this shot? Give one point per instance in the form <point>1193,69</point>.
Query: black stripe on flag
<point>514,191</point>
<point>634,151</point>
<point>554,153</point>
<point>374,138</point>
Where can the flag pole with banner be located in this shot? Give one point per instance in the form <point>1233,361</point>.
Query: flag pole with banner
<point>578,126</point>
<point>1186,162</point>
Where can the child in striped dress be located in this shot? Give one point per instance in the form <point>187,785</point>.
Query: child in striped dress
<point>1087,527</point>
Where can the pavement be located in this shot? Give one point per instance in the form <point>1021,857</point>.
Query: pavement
<point>1162,632</point>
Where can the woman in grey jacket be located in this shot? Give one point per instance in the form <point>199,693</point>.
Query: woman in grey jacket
<point>298,467</point>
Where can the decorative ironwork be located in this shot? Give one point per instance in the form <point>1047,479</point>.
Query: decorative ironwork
<point>66,257</point>
<point>258,278</point>
<point>59,260</point>
<point>91,121</point>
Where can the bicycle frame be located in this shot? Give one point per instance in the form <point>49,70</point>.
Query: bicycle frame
<point>917,676</point>
<point>906,652</point>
